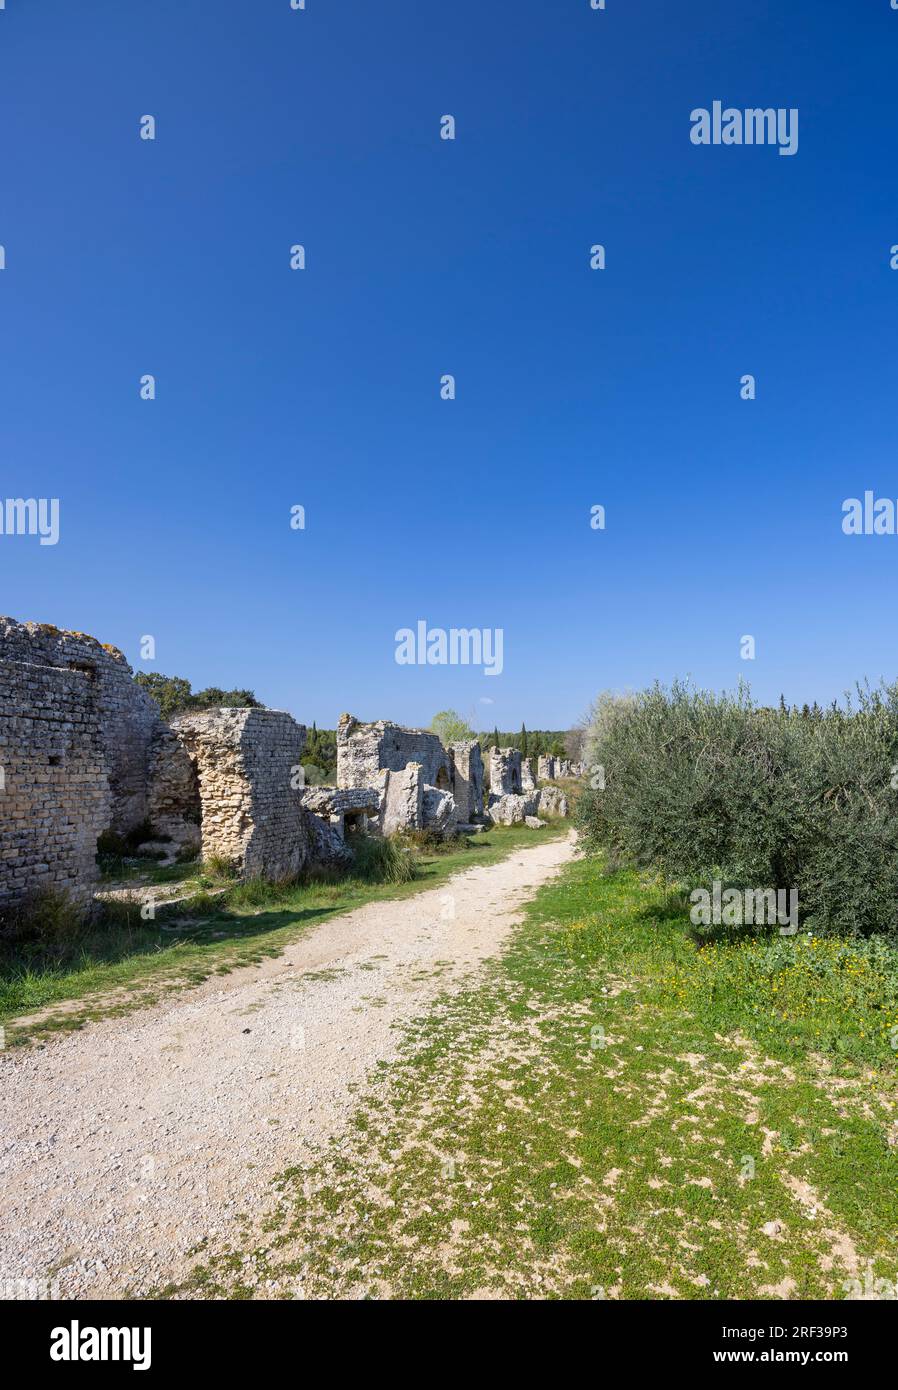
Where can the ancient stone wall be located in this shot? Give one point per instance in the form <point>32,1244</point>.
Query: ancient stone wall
<point>252,812</point>
<point>128,719</point>
<point>528,775</point>
<point>173,793</point>
<point>546,769</point>
<point>439,813</point>
<point>55,795</point>
<point>511,808</point>
<point>552,801</point>
<point>467,779</point>
<point>402,803</point>
<point>365,750</point>
<point>341,801</point>
<point>83,750</point>
<point>342,806</point>
<point>505,772</point>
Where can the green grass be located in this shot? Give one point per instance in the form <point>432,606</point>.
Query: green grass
<point>614,1113</point>
<point>100,970</point>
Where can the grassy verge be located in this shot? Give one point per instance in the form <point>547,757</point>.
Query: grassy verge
<point>111,968</point>
<point>616,1114</point>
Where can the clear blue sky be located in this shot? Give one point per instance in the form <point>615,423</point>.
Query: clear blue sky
<point>425,257</point>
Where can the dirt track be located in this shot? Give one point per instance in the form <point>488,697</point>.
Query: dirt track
<point>125,1144</point>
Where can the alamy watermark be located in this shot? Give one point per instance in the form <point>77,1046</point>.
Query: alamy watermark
<point>77,1343</point>
<point>737,907</point>
<point>31,516</point>
<point>874,516</point>
<point>727,125</point>
<point>28,1290</point>
<point>870,1288</point>
<point>455,646</point>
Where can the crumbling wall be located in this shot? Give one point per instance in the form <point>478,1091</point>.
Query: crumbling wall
<point>127,718</point>
<point>467,779</point>
<point>55,795</point>
<point>439,812</point>
<point>505,772</point>
<point>173,793</point>
<point>546,769</point>
<point>511,808</point>
<point>366,750</point>
<point>402,803</point>
<point>252,812</point>
<point>528,775</point>
<point>552,801</point>
<point>339,805</point>
<point>341,801</point>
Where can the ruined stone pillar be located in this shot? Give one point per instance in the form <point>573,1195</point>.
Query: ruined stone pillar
<point>403,799</point>
<point>467,779</point>
<point>505,772</point>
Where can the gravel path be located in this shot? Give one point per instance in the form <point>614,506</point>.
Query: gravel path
<point>123,1145</point>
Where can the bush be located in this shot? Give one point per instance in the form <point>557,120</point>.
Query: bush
<point>376,860</point>
<point>218,867</point>
<point>112,846</point>
<point>47,915</point>
<point>712,787</point>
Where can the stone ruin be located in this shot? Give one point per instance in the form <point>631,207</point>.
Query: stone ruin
<point>347,809</point>
<point>551,769</point>
<point>84,752</point>
<point>419,784</point>
<point>245,763</point>
<point>55,796</point>
<point>366,750</point>
<point>515,798</point>
<point>75,734</point>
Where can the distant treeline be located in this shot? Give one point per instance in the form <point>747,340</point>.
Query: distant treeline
<point>530,743</point>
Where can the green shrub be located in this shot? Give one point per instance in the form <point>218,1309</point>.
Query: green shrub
<point>377,860</point>
<point>111,845</point>
<point>712,787</point>
<point>218,867</point>
<point>46,915</point>
<point>203,904</point>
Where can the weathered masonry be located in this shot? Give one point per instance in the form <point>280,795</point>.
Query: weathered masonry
<point>422,785</point>
<point>366,750</point>
<point>75,733</point>
<point>346,809</point>
<point>467,780</point>
<point>84,751</point>
<point>247,765</point>
<point>127,719</point>
<point>54,782</point>
<point>505,772</point>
